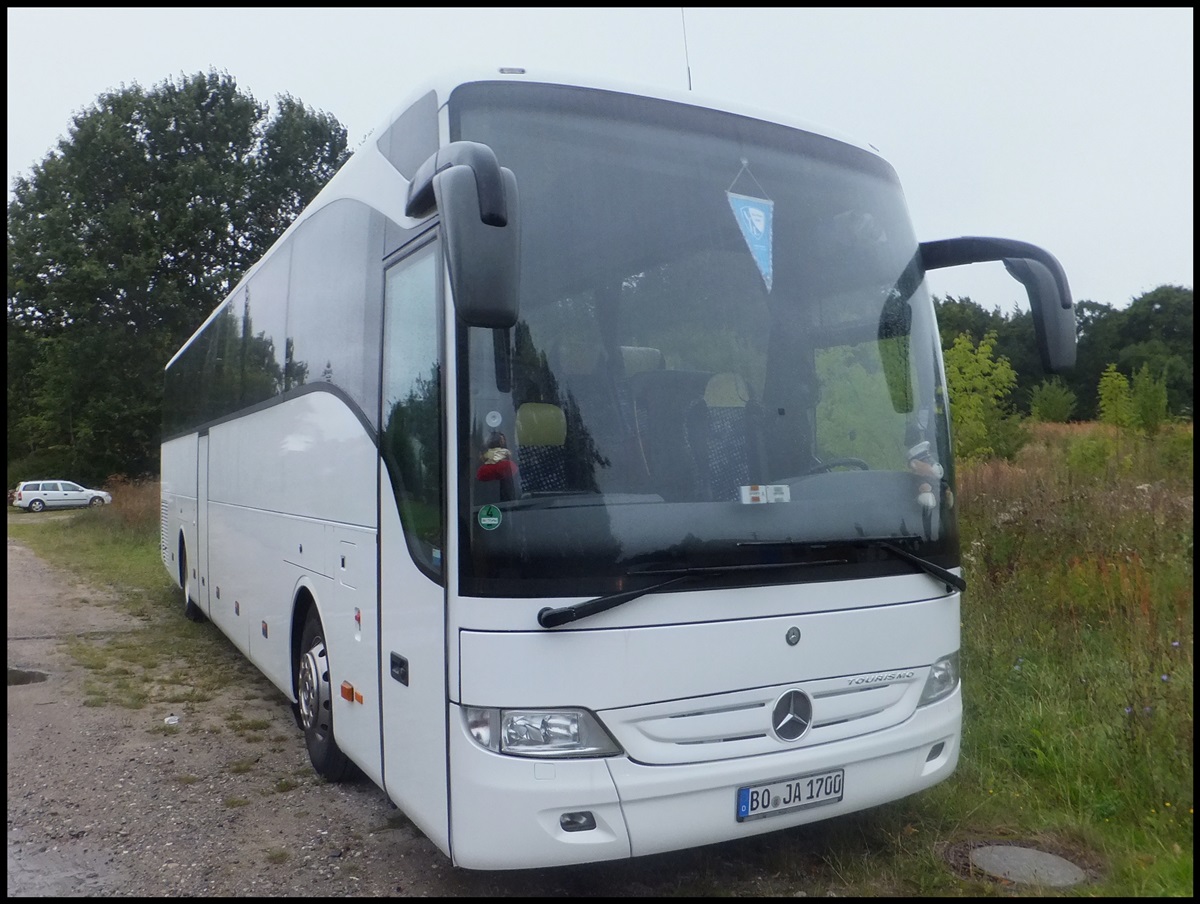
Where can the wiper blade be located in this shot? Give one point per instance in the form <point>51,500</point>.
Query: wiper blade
<point>924,564</point>
<point>552,618</point>
<point>886,543</point>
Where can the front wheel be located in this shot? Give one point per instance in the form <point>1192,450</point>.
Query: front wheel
<point>96,500</point>
<point>314,700</point>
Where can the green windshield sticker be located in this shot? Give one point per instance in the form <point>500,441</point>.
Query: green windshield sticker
<point>489,517</point>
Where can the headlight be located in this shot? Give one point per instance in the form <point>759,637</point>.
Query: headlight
<point>943,679</point>
<point>539,732</point>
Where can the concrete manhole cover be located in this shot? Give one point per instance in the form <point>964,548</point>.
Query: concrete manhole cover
<point>1026,866</point>
<point>24,676</point>
<point>1048,861</point>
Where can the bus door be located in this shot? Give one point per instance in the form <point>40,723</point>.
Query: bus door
<point>411,586</point>
<point>202,523</point>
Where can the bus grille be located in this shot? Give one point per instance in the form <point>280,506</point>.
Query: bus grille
<point>739,724</point>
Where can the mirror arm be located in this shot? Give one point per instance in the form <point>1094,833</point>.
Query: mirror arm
<point>490,185</point>
<point>975,250</point>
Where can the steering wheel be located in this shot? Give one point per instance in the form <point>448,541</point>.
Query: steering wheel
<point>831,463</point>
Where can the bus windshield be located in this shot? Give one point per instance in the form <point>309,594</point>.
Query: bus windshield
<point>726,355</point>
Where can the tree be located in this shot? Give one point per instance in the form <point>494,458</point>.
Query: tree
<point>1014,339</point>
<point>1098,329</point>
<point>1116,400</point>
<point>1158,333</point>
<point>1155,330</point>
<point>979,386</point>
<point>959,316</point>
<point>125,238</point>
<point>1149,397</point>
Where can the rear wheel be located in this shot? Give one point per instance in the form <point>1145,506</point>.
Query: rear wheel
<point>37,505</point>
<point>314,700</point>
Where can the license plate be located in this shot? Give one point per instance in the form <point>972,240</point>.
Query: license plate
<point>773,798</point>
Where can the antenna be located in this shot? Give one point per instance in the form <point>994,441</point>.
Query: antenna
<point>686,62</point>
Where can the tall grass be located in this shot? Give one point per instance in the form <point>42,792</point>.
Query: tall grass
<point>1078,643</point>
<point>116,544</point>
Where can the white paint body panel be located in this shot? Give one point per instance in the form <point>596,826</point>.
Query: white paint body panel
<point>690,705</point>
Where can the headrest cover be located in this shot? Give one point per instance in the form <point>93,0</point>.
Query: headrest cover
<point>726,391</point>
<point>640,358</point>
<point>540,424</point>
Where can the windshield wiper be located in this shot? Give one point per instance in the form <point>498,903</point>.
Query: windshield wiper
<point>552,618</point>
<point>885,543</point>
<point>925,565</point>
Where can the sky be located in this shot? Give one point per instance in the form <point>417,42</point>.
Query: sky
<point>1068,128</point>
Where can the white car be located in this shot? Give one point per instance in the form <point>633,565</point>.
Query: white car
<point>36,495</point>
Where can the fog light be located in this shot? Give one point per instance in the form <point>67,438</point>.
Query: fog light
<point>583,821</point>
<point>935,751</point>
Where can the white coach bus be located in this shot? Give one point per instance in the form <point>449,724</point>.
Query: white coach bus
<point>578,463</point>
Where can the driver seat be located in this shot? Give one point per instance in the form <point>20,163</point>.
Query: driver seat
<point>541,430</point>
<point>723,431</point>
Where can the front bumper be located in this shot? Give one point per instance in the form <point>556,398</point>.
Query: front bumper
<point>505,811</point>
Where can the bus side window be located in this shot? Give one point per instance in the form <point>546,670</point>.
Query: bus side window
<point>412,403</point>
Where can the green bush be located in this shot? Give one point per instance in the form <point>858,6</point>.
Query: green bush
<point>1149,401</point>
<point>1091,455</point>
<point>1052,401</point>
<point>1174,451</point>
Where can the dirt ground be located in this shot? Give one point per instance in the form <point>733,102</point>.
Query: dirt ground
<point>102,801</point>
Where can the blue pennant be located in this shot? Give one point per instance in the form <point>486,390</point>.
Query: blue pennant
<point>753,217</point>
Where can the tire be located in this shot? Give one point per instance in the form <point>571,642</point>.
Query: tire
<point>314,699</point>
<point>96,500</point>
<point>191,611</point>
<point>36,506</point>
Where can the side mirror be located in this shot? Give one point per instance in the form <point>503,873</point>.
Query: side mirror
<point>477,200</point>
<point>1038,271</point>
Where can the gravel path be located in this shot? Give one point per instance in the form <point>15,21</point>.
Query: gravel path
<point>107,801</point>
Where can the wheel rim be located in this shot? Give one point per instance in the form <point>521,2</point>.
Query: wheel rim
<point>314,692</point>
